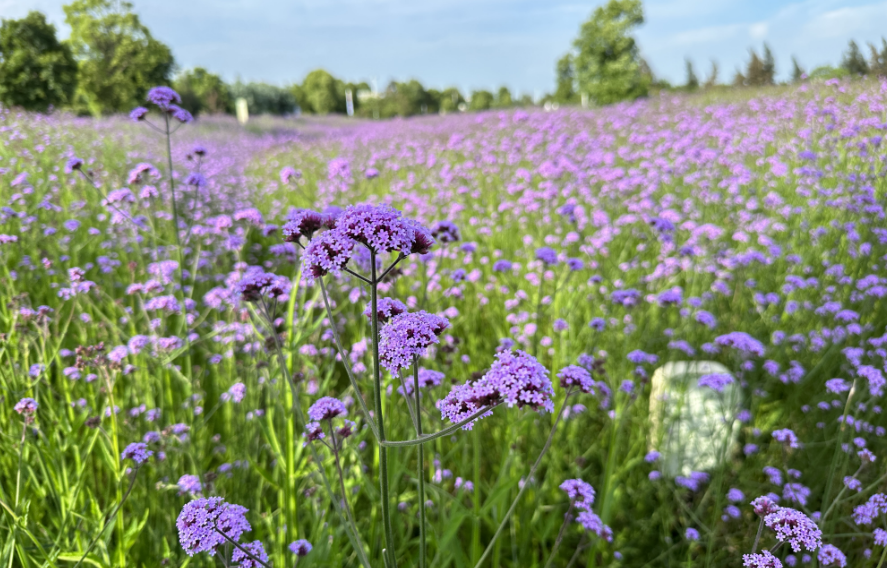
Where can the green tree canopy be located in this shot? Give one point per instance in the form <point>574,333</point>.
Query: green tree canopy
<point>36,71</point>
<point>202,91</point>
<point>119,59</point>
<point>797,72</point>
<point>607,62</point>
<point>692,79</point>
<point>262,98</point>
<point>853,61</point>
<point>481,100</point>
<point>321,92</point>
<point>503,98</point>
<point>878,62</point>
<point>565,85</point>
<point>450,99</point>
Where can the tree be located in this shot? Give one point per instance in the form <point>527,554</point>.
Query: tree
<point>36,71</point>
<point>756,72</point>
<point>503,98</point>
<point>262,98</point>
<point>878,63</point>
<point>692,79</point>
<point>607,62</point>
<point>481,100</point>
<point>769,66</point>
<point>450,99</point>
<point>565,86</point>
<point>118,58</point>
<point>853,61</point>
<point>712,78</point>
<point>797,73</point>
<point>320,92</point>
<point>738,79</point>
<point>202,91</point>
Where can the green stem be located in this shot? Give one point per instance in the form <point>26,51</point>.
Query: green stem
<point>527,481</point>
<point>380,422</point>
<point>446,431</point>
<point>421,465</point>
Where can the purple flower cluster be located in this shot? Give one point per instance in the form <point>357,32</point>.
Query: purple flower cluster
<point>204,523</point>
<point>27,407</point>
<point>716,381</point>
<point>137,452</point>
<point>574,375</point>
<point>255,549</point>
<point>741,342</point>
<point>515,378</point>
<point>830,555</point>
<point>300,547</point>
<point>327,408</point>
<point>408,335</point>
<point>382,229</point>
<point>580,493</point>
<point>763,560</point>
<point>794,527</point>
<point>328,253</point>
<point>257,283</point>
<point>302,223</point>
<point>386,308</point>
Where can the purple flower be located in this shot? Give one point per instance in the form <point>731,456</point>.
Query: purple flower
<point>235,393</point>
<point>379,227</point>
<point>691,534</point>
<point>787,437</point>
<point>313,431</point>
<point>180,114</point>
<point>652,456</point>
<point>189,484</point>
<point>327,408</point>
<point>597,324</point>
<point>547,255</point>
<point>830,555</point>
<point>73,164</point>
<point>575,264</point>
<point>288,173</point>
<point>836,386</point>
<point>866,513</point>
<point>386,308</point>
<point>256,283</point>
<point>735,495</point>
<point>502,265</point>
<point>408,335</point>
<point>625,298</point>
<point>573,375</point>
<point>163,97</point>
<point>302,223</point>
<point>300,547</point>
<point>880,536</point>
<point>202,523</point>
<point>795,527</point>
<point>579,492</point>
<point>138,113</point>
<point>445,231</point>
<point>27,407</point>
<point>515,378</point>
<point>329,252</point>
<point>137,452</point>
<point>672,297</point>
<point>255,549</point>
<point>741,342</point>
<point>716,381</point>
<point>763,560</point>
<point>592,523</point>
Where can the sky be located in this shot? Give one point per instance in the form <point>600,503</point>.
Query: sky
<point>481,44</point>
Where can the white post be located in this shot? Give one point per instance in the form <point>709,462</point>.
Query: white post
<point>242,109</point>
<point>349,103</point>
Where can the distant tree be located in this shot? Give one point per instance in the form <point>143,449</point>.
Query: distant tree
<point>712,78</point>
<point>405,99</point>
<point>797,72</point>
<point>36,71</point>
<point>607,62</point>
<point>202,91</point>
<point>118,58</point>
<point>692,80</point>
<point>565,86</point>
<point>769,71</point>
<point>298,94</point>
<point>878,62</point>
<point>853,61</point>
<point>262,98</point>
<point>739,79</point>
<point>756,72</point>
<point>828,72</point>
<point>321,92</point>
<point>481,100</point>
<point>525,100</point>
<point>450,99</point>
<point>434,99</point>
<point>503,98</point>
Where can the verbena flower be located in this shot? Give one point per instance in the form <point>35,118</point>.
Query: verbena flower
<point>327,253</point>
<point>256,549</point>
<point>574,375</point>
<point>189,484</point>
<point>327,408</point>
<point>300,547</point>
<point>515,378</point>
<point>691,534</point>
<point>163,97</point>
<point>137,452</point>
<point>742,342</point>
<point>302,223</point>
<point>138,113</point>
<point>203,522</point>
<point>866,513</point>
<point>715,381</point>
<point>787,437</point>
<point>593,523</point>
<point>73,164</point>
<point>379,227</point>
<point>386,308</point>
<point>408,335</point>
<point>763,560</point>
<point>27,407</point>
<point>547,255</point>
<point>580,493</point>
<point>830,555</point>
<point>445,231</point>
<point>794,527</point>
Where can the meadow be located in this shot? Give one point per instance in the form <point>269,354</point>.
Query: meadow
<point>164,342</point>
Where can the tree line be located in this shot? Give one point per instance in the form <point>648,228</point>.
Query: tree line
<point>111,60</point>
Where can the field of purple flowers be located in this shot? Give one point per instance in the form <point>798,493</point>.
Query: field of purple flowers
<point>435,341</point>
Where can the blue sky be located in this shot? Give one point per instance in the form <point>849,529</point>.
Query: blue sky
<point>475,44</point>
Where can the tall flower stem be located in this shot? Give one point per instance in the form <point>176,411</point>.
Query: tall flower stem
<point>380,422</point>
<point>560,535</point>
<point>345,505</point>
<point>421,466</point>
<point>527,481</point>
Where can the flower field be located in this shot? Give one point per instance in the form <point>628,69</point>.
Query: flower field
<point>435,341</point>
